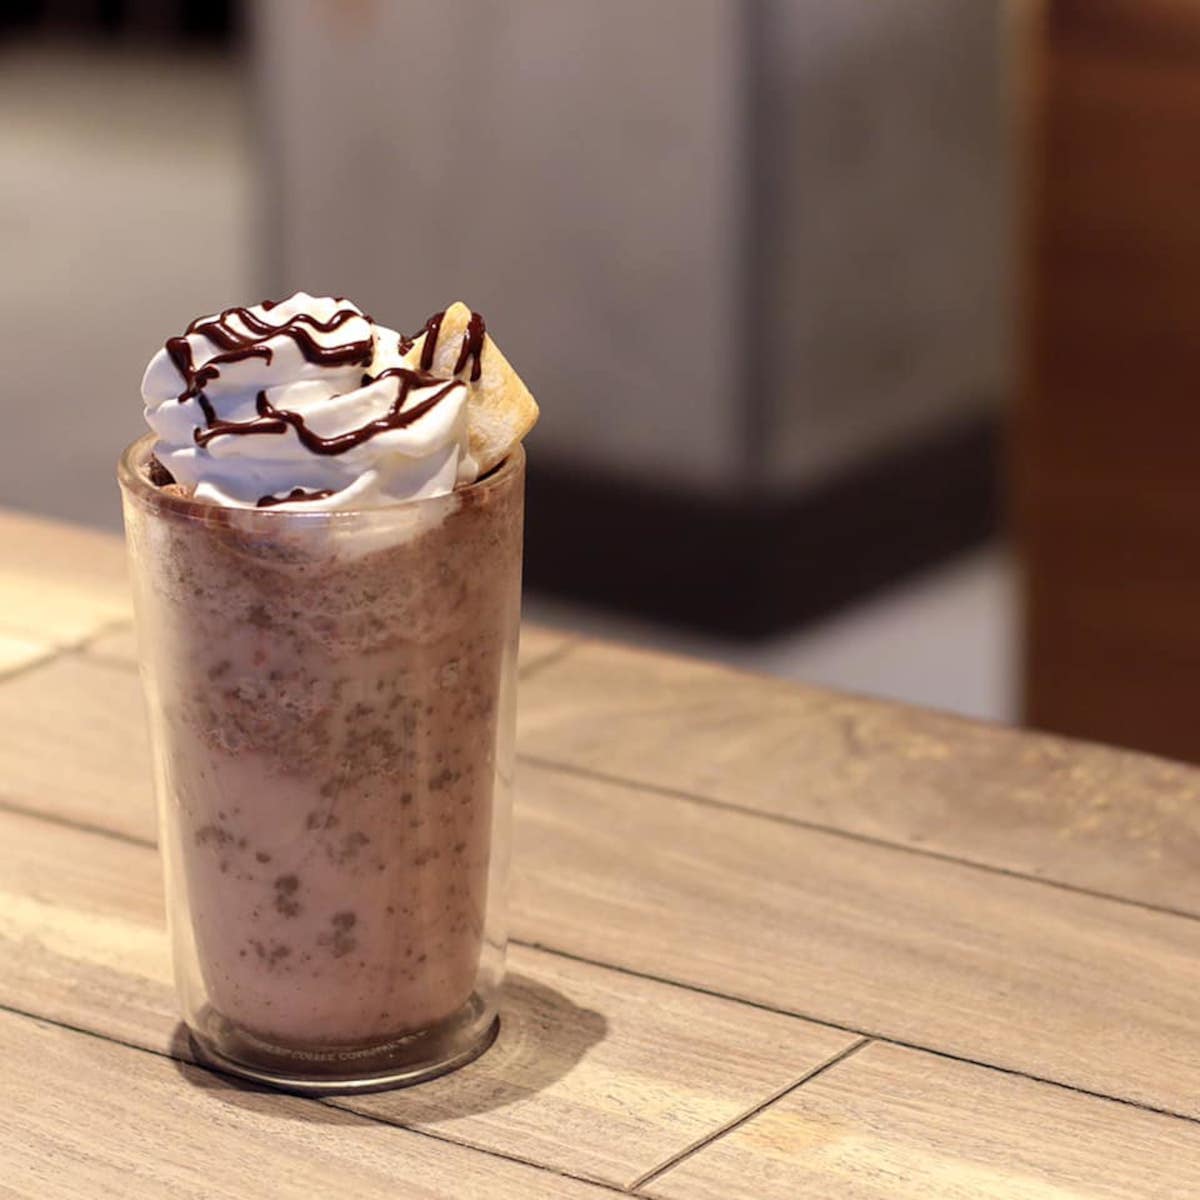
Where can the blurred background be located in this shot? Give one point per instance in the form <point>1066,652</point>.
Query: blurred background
<point>862,330</point>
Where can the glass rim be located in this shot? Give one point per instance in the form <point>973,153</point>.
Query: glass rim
<point>135,485</point>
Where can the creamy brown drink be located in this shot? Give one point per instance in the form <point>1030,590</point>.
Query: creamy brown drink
<point>326,536</point>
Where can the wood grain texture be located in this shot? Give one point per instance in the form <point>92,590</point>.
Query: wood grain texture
<point>920,950</point>
<point>59,582</point>
<point>595,1073</point>
<point>75,745</point>
<point>1086,815</point>
<point>1103,481</point>
<point>1086,991</point>
<point>606,1075</point>
<point>540,645</point>
<point>116,646</point>
<point>19,650</point>
<point>83,1118</point>
<point>890,1124</point>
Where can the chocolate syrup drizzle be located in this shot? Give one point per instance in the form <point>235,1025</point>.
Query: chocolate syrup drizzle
<point>238,347</point>
<point>235,346</point>
<point>299,328</point>
<point>432,328</point>
<point>180,351</point>
<point>277,420</point>
<point>293,496</point>
<point>471,348</point>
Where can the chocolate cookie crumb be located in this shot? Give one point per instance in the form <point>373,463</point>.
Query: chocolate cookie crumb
<point>158,474</point>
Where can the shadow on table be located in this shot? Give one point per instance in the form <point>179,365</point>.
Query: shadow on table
<point>543,1037</point>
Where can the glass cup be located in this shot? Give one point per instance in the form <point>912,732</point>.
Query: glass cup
<point>331,708</point>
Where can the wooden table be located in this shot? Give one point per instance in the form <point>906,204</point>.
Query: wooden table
<point>768,942</point>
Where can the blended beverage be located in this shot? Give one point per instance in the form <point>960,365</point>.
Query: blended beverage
<point>325,530</point>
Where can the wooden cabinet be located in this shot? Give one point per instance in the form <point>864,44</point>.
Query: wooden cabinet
<point>1106,436</point>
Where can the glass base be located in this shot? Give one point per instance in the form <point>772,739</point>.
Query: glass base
<point>341,1070</point>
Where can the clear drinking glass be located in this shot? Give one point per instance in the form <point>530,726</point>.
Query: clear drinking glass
<point>331,706</point>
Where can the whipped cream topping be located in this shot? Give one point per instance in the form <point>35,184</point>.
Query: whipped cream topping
<point>305,404</point>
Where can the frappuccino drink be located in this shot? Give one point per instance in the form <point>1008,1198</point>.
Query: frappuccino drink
<point>325,532</point>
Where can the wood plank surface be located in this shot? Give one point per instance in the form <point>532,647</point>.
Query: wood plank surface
<point>17,651</point>
<point>75,741</point>
<point>1090,992</point>
<point>119,646</point>
<point>540,646</point>
<point>75,745</point>
<point>1090,816</point>
<point>895,1124</point>
<point>609,1075</point>
<point>59,582</point>
<point>82,1118</point>
<point>595,1073</point>
<point>1006,970</point>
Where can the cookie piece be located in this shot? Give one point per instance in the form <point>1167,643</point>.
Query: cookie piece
<point>500,408</point>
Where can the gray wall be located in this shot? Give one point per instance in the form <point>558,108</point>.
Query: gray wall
<point>593,174</point>
<point>883,223</point>
<point>726,240</point>
<point>571,168</point>
<point>123,214</point>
